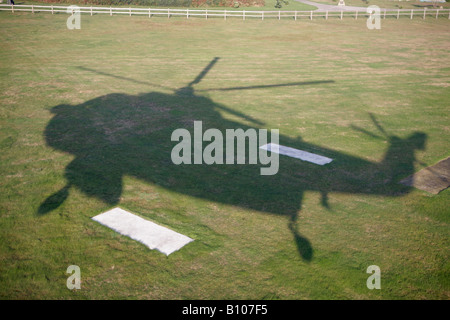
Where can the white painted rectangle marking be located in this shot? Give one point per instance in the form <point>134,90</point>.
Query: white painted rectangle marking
<point>150,234</point>
<point>296,153</point>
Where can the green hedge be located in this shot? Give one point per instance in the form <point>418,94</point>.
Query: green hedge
<point>162,3</point>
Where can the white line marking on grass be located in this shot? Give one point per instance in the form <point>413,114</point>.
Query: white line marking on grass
<point>150,234</point>
<point>298,154</point>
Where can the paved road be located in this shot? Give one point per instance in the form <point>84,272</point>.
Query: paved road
<point>328,7</point>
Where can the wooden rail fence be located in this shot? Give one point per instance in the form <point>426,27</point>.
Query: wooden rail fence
<point>225,14</point>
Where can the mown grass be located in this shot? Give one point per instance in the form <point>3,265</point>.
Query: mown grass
<point>119,75</point>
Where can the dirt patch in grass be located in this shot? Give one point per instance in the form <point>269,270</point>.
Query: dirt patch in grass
<point>432,179</point>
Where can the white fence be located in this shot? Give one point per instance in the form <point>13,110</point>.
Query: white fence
<point>224,14</point>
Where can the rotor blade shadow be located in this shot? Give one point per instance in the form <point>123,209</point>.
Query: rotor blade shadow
<point>370,134</point>
<point>124,78</point>
<point>202,74</point>
<point>291,84</point>
<point>378,125</point>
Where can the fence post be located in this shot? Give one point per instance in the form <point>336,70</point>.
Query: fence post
<point>356,16</point>
<point>130,12</point>
<point>12,8</point>
<point>243,15</point>
<point>225,15</point>
<point>295,15</point>
<point>187,13</point>
<point>326,15</point>
<point>149,12</point>
<point>424,12</point>
<point>437,13</point>
<point>168,13</point>
<point>412,13</point>
<point>206,14</point>
<point>310,16</point>
<point>398,13</point>
<point>342,12</point>
<point>262,15</point>
<point>384,14</point>
<point>279,17</point>
<point>52,9</point>
<point>110,11</point>
<point>32,9</point>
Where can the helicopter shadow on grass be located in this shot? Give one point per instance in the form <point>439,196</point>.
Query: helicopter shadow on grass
<point>119,134</point>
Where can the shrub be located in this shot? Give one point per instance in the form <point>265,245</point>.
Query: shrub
<point>279,3</point>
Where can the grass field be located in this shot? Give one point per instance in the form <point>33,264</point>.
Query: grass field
<point>85,123</point>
